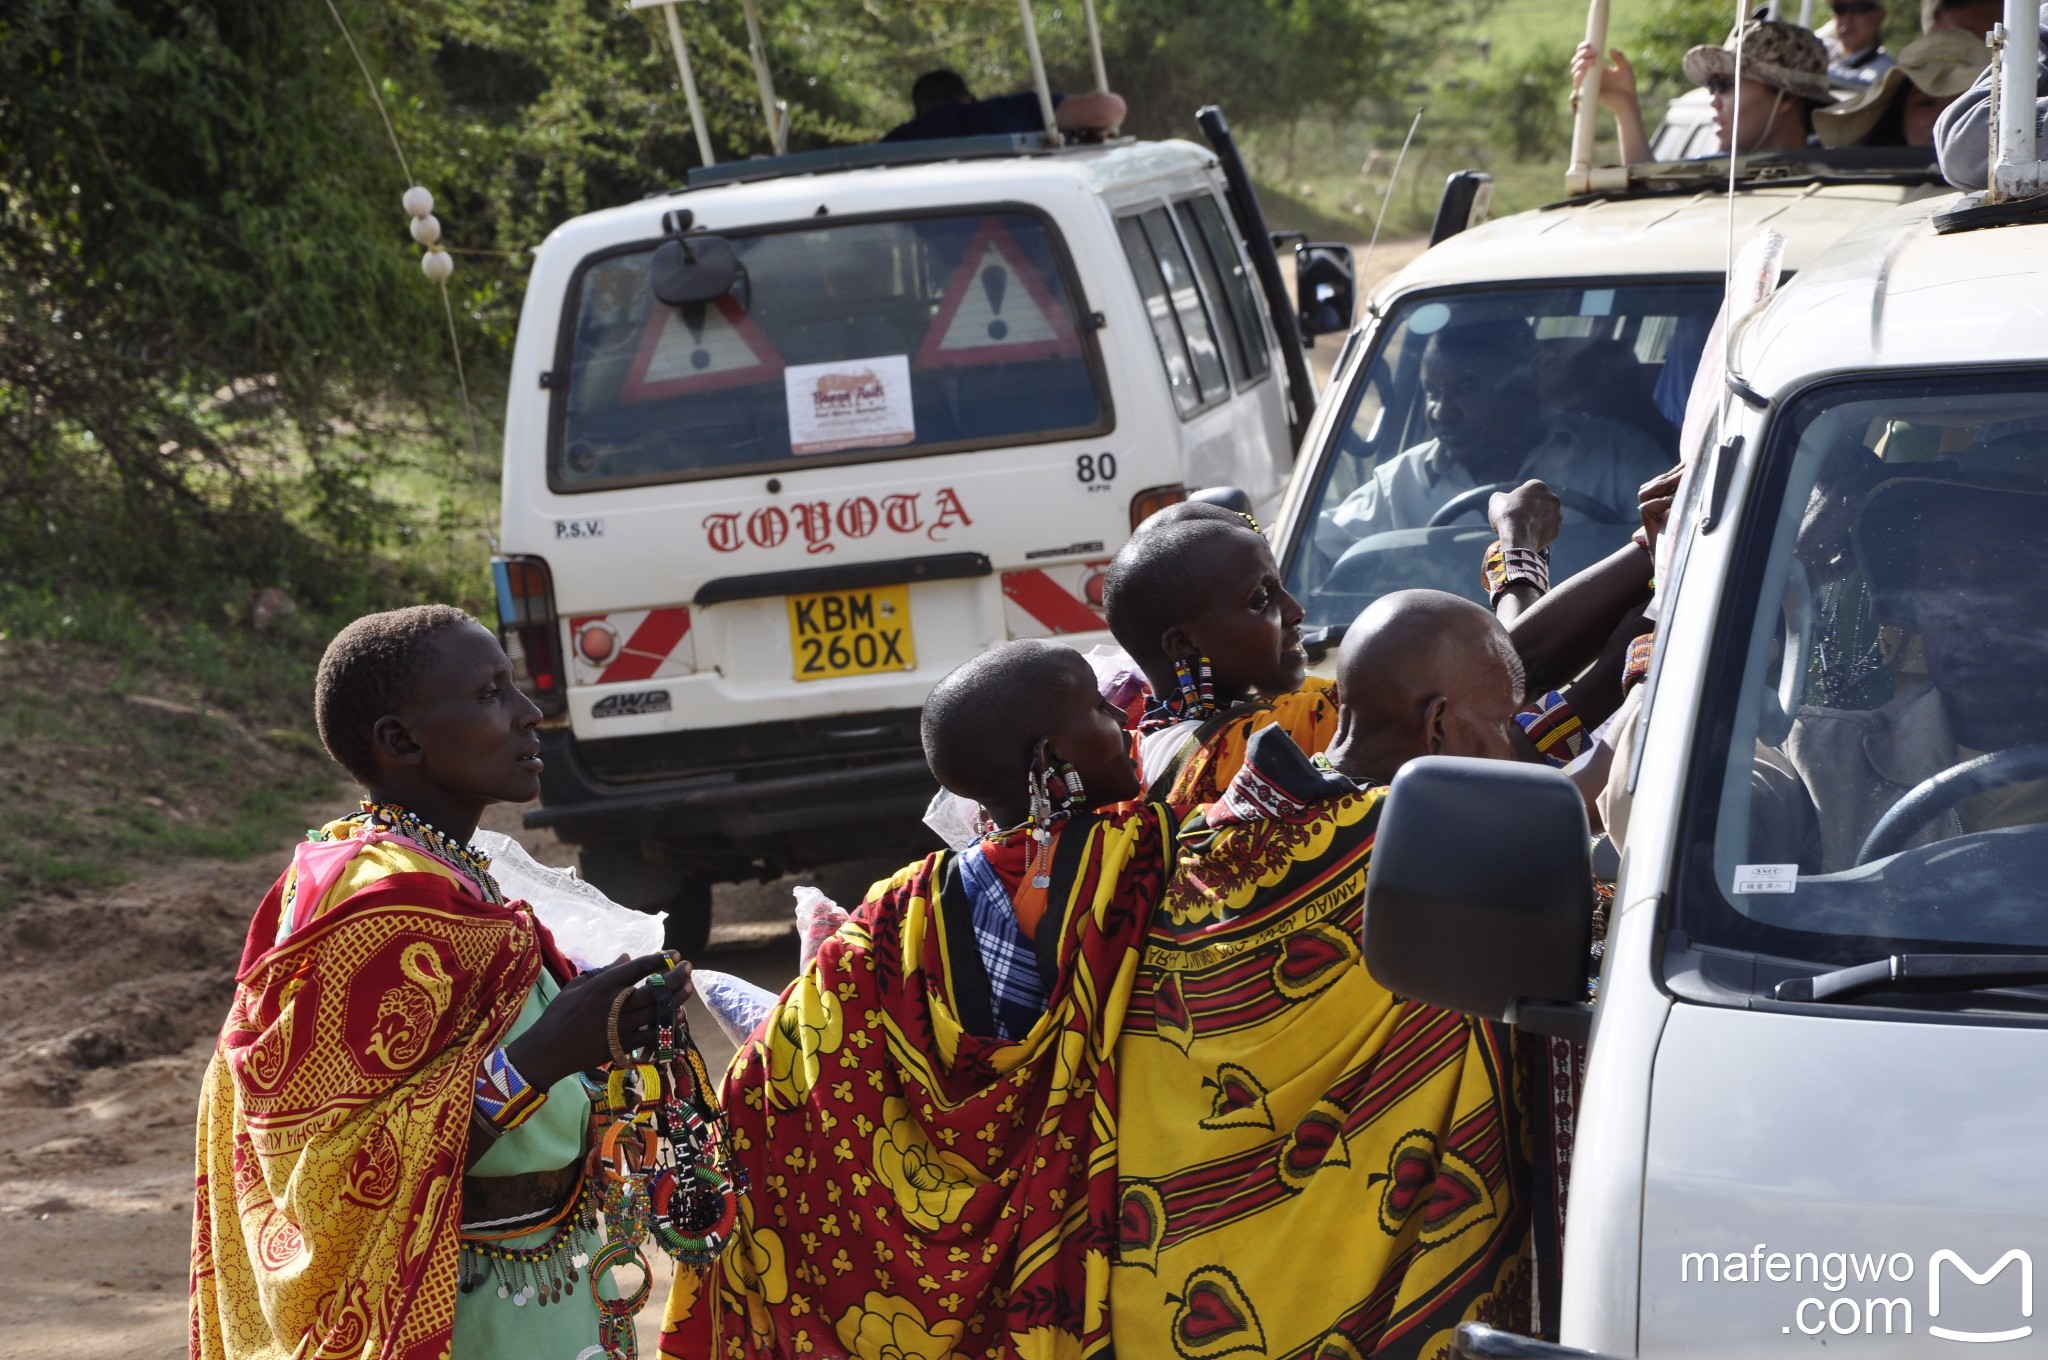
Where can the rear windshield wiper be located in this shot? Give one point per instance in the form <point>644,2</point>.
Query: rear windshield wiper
<point>1920,973</point>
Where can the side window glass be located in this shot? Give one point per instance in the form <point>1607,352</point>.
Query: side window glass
<point>1210,280</point>
<point>1180,373</point>
<point>1237,284</point>
<point>1187,304</point>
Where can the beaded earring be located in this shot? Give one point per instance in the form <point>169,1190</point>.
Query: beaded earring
<point>1197,683</point>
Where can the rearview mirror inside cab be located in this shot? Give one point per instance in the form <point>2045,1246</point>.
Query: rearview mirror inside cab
<point>1480,895</point>
<point>1325,288</point>
<point>691,267</point>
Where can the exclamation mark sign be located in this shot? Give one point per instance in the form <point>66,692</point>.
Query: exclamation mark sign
<point>995,281</point>
<point>692,314</point>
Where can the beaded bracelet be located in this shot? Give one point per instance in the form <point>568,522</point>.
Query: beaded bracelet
<point>1507,567</point>
<point>504,1099</point>
<point>1637,668</point>
<point>1554,728</point>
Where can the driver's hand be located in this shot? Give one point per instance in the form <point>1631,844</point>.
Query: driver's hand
<point>1527,517</point>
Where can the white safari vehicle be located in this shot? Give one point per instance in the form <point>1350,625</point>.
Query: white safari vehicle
<point>1810,1121</point>
<point>1619,289</point>
<point>786,446</point>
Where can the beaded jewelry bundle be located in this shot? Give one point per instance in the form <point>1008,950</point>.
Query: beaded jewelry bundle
<point>1195,696</point>
<point>662,1165</point>
<point>1055,794</point>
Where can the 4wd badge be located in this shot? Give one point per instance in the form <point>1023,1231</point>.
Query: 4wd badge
<point>631,705</point>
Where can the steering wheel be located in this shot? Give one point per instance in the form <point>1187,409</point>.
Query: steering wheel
<point>1957,784</point>
<point>1465,502</point>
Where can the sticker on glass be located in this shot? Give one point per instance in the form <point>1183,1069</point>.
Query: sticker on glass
<point>851,404</point>
<point>1766,878</point>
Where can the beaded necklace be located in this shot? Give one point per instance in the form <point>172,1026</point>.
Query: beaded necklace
<point>474,863</point>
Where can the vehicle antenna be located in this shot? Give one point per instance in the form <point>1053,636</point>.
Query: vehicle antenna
<point>1388,196</point>
<point>771,111</point>
<point>682,51</point>
<point>1038,80</point>
<point>1095,46</point>
<point>437,264</point>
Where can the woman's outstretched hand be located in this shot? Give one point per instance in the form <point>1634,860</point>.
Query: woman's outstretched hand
<point>1617,79</point>
<point>572,1034</point>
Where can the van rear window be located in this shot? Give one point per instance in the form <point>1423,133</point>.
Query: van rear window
<point>841,343</point>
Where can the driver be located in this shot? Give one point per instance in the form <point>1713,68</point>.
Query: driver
<point>1480,390</point>
<point>1952,553</point>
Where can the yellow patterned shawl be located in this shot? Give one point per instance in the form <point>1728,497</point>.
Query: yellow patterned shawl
<point>1214,752</point>
<point>1309,1165</point>
<point>334,1119</point>
<point>916,1191</point>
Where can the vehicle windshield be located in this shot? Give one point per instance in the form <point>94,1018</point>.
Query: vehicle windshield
<point>1894,628</point>
<point>1469,392</point>
<point>838,343</point>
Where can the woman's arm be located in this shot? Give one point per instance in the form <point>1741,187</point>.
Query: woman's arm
<point>1618,97</point>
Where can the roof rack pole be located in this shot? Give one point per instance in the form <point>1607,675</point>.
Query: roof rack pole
<point>1806,13</point>
<point>778,128</point>
<point>682,50</point>
<point>1052,127</point>
<point>1578,174</point>
<point>1095,47</point>
<point>2016,171</point>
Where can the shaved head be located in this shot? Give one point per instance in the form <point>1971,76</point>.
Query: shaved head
<point>982,722</point>
<point>1422,672</point>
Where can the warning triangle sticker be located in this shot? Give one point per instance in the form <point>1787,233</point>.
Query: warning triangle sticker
<point>697,349</point>
<point>997,309</point>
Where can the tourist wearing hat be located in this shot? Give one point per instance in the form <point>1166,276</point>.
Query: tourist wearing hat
<point>1962,134</point>
<point>1784,78</point>
<point>1900,108</point>
<point>1856,55</point>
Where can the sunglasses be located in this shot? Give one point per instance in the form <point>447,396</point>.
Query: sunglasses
<point>1720,84</point>
<point>1855,7</point>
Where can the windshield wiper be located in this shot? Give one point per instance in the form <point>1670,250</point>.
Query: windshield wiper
<point>1918,972</point>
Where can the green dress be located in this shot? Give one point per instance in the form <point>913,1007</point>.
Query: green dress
<point>486,1326</point>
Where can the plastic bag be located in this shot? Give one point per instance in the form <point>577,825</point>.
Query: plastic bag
<point>589,928</point>
<point>735,1003</point>
<point>953,819</point>
<point>818,919</point>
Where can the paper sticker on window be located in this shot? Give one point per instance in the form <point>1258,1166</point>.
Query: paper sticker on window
<point>851,404</point>
<point>1766,878</point>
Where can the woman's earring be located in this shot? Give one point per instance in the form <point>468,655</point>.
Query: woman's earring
<point>1205,681</point>
<point>1184,678</point>
<point>1073,798</point>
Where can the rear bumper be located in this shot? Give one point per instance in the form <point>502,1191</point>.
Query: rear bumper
<point>789,800</point>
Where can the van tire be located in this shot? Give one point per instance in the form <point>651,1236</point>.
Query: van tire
<point>624,873</point>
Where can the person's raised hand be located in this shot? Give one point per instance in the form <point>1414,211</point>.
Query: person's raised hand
<point>573,1033</point>
<point>1527,517</point>
<point>1653,502</point>
<point>1617,78</point>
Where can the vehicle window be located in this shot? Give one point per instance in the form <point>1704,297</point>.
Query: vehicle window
<point>1194,366</point>
<point>1210,280</point>
<point>1216,240</point>
<point>838,343</point>
<point>1893,625</point>
<point>1467,393</point>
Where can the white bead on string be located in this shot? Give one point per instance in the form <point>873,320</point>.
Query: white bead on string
<point>437,264</point>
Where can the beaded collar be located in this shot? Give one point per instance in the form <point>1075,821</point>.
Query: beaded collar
<point>474,864</point>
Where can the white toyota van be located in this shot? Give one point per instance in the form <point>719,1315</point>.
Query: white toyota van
<point>928,392</point>
<point>1810,1122</point>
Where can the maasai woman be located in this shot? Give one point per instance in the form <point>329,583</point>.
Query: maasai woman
<point>1196,600</point>
<point>394,1103</point>
<point>927,1119</point>
<point>1309,1165</point>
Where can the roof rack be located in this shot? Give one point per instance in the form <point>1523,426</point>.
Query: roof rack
<point>869,155</point>
<point>1765,169</point>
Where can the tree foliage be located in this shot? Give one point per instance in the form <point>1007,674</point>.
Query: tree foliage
<point>213,327</point>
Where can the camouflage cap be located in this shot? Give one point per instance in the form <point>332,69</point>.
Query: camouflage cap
<point>1783,56</point>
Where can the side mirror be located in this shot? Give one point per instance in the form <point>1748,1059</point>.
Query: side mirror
<point>1325,288</point>
<point>1480,895</point>
<point>691,268</point>
<point>1477,1341</point>
<point>1467,200</point>
<point>1229,497</point>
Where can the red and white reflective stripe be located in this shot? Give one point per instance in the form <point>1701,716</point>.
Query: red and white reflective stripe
<point>1048,601</point>
<point>631,644</point>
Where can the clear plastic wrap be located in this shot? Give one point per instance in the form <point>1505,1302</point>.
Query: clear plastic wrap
<point>735,1003</point>
<point>589,928</point>
<point>818,919</point>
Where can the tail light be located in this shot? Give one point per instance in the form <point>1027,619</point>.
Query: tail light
<point>526,625</point>
<point>1152,500</point>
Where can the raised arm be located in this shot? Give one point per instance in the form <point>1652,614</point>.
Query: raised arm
<point>1618,97</point>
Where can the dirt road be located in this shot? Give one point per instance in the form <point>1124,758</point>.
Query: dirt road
<point>110,1009</point>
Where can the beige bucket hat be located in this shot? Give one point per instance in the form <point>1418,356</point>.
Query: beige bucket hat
<point>1943,63</point>
<point>1783,56</point>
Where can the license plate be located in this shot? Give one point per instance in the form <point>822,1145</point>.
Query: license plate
<point>851,632</point>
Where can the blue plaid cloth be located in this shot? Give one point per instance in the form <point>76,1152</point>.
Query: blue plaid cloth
<point>1016,996</point>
